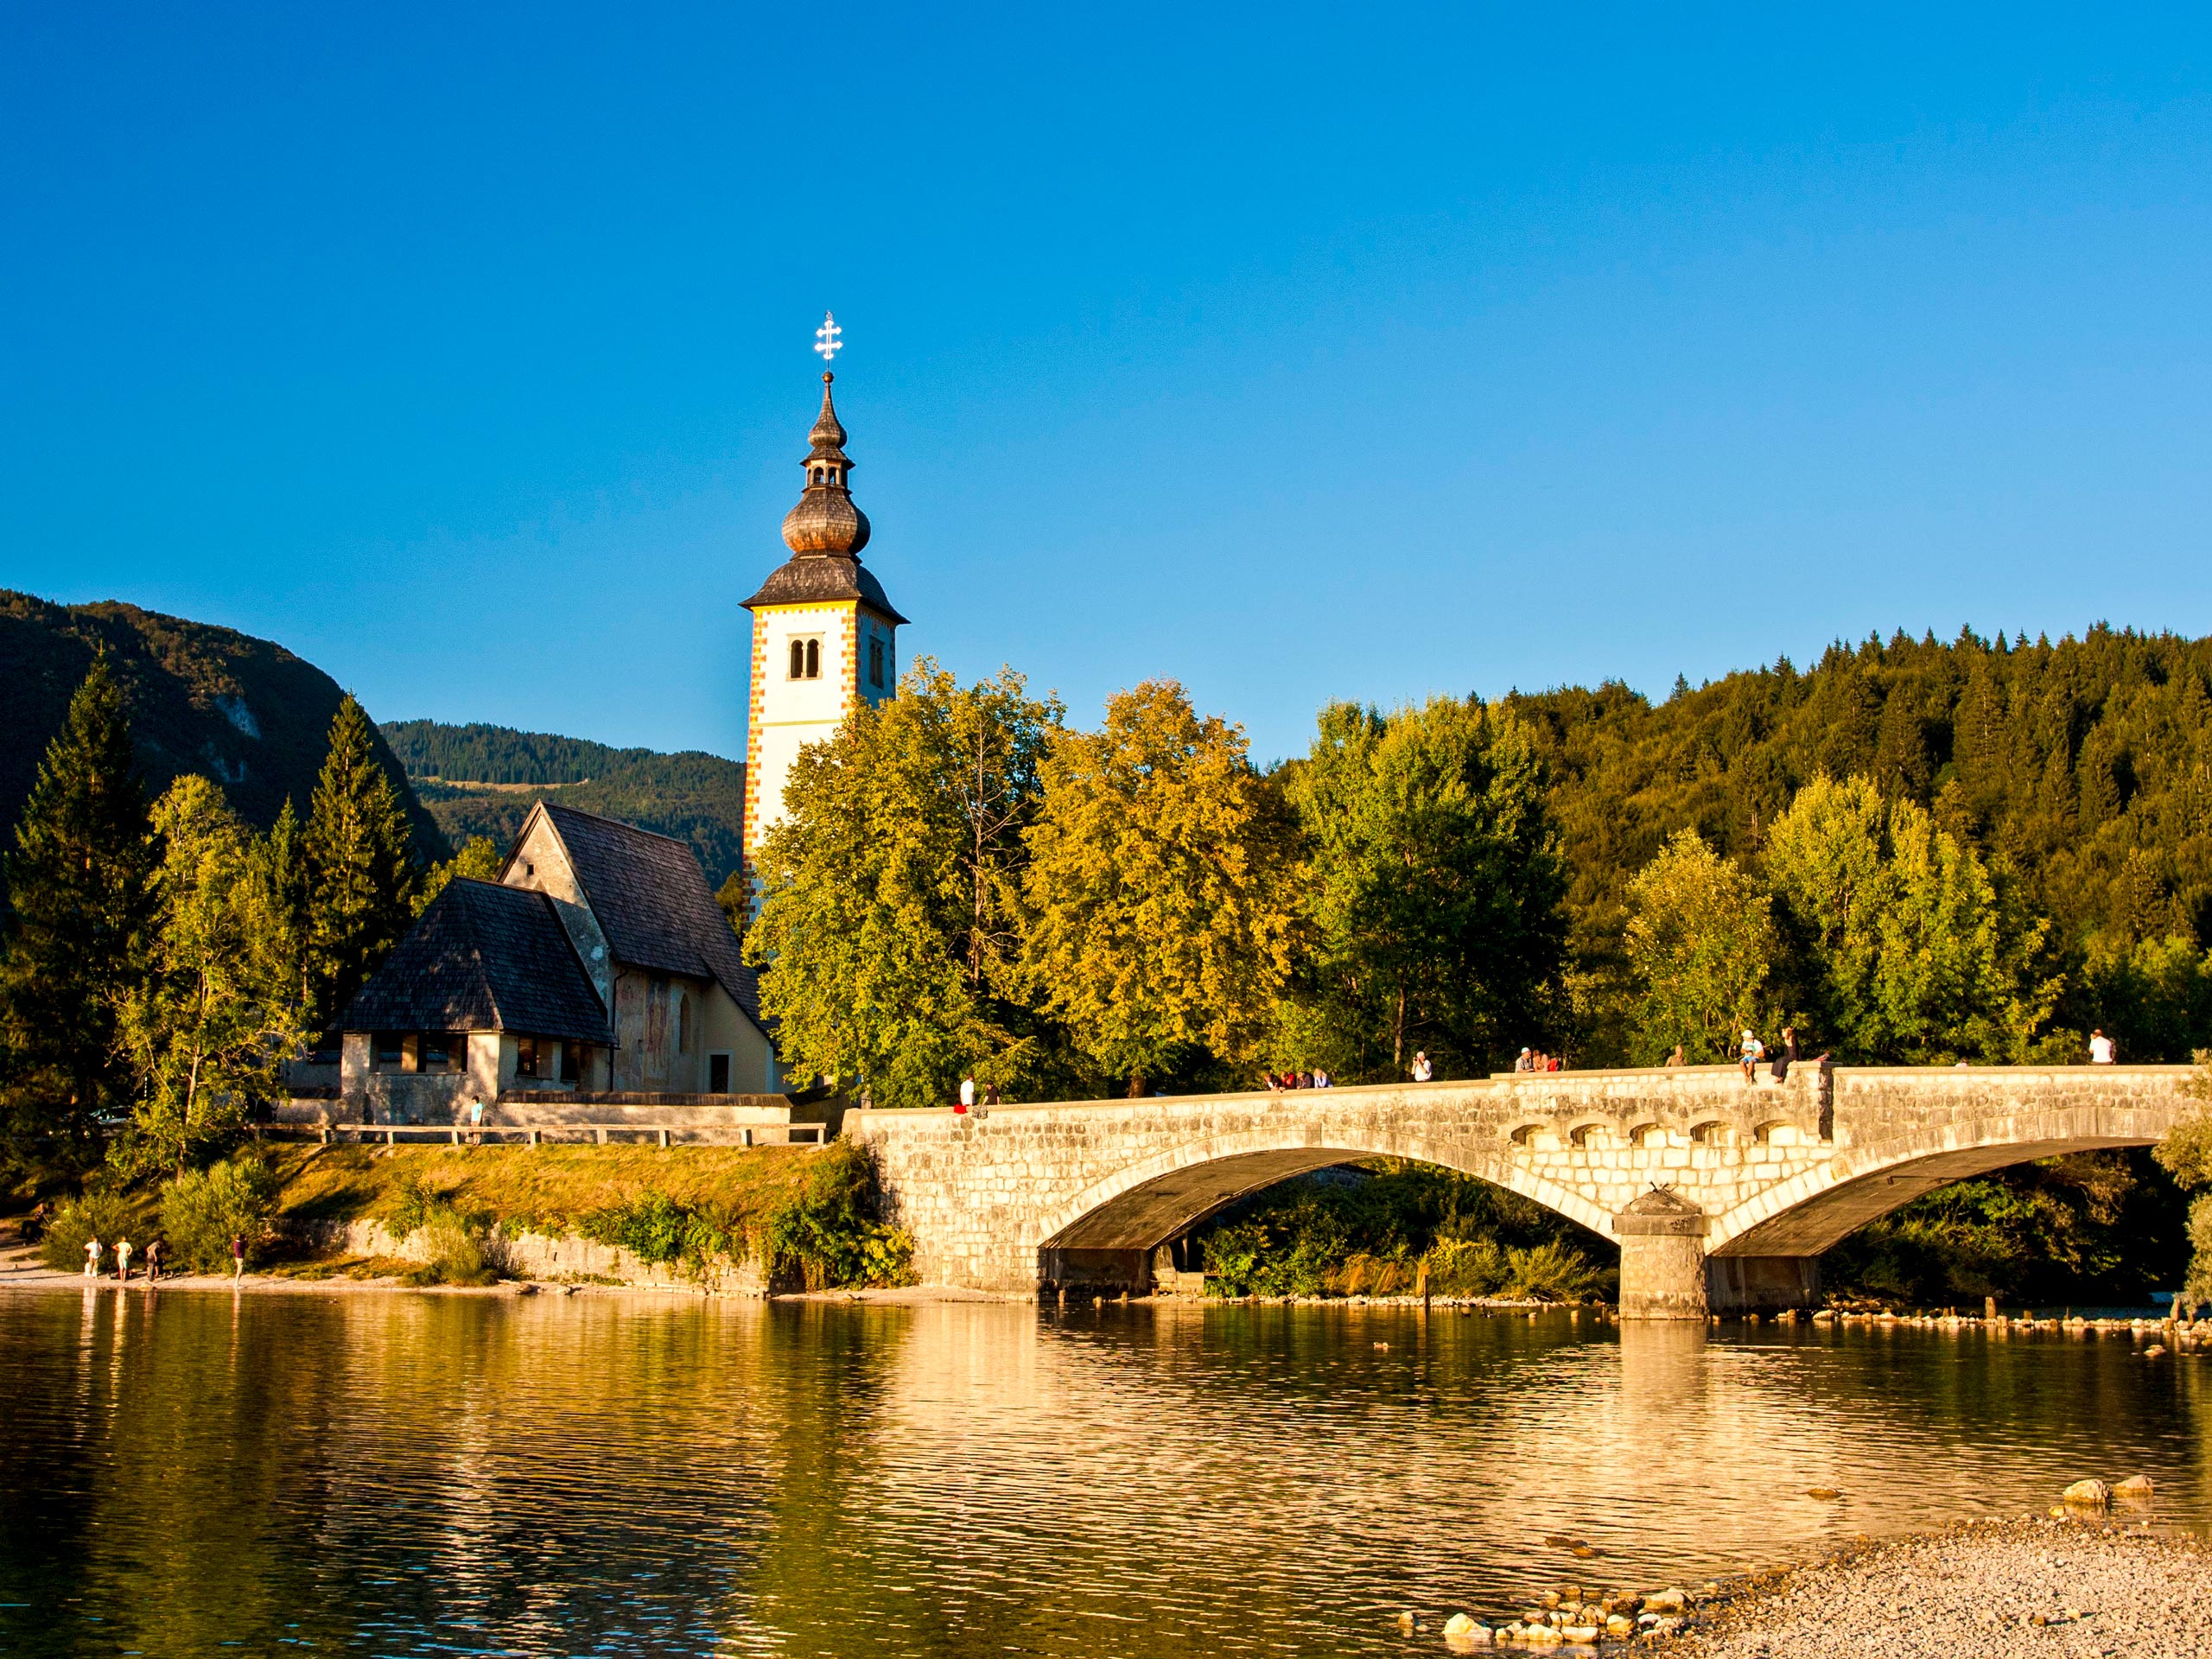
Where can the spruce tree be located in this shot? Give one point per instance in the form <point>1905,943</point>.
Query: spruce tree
<point>77,887</point>
<point>360,872</point>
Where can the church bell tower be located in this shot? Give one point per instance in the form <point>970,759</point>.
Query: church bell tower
<point>824,635</point>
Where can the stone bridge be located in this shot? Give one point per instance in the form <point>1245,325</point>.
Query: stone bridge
<point>1718,1193</point>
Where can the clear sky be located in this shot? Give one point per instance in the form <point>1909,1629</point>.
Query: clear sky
<point>1295,352</point>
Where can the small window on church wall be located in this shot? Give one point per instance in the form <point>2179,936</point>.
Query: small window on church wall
<point>876,664</point>
<point>814,659</point>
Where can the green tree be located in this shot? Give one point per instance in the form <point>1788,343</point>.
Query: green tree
<point>281,866</point>
<point>77,905</point>
<point>1957,976</point>
<point>735,898</point>
<point>479,860</point>
<point>2186,1154</point>
<point>1826,861</point>
<point>215,1016</point>
<point>1915,951</point>
<point>1163,883</point>
<point>1434,891</point>
<point>890,925</point>
<point>361,872</point>
<point>1701,945</point>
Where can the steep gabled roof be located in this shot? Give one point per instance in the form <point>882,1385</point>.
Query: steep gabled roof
<point>484,958</point>
<point>651,901</point>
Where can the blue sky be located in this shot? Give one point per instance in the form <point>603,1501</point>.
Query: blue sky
<point>1296,353</point>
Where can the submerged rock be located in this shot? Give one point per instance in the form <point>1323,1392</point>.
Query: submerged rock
<point>2088,1491</point>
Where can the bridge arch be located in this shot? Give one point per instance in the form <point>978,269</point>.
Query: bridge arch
<point>1144,1205</point>
<point>1819,1207</point>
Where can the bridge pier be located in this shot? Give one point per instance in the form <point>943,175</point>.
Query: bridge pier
<point>1662,1257</point>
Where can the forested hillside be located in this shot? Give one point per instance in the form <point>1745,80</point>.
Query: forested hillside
<point>481,780</point>
<point>246,712</point>
<point>2080,772</point>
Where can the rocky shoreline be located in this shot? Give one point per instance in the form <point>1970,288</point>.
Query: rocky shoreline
<point>2082,1580</point>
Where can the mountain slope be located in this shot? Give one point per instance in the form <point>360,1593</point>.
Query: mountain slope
<point>481,780</point>
<point>246,712</point>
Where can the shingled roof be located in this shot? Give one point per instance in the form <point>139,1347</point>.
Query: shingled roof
<point>820,578</point>
<point>651,901</point>
<point>484,958</point>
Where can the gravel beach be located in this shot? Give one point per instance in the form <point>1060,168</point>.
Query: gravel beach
<point>2057,1587</point>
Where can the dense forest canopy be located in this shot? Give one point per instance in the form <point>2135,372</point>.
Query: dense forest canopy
<point>480,779</point>
<point>2079,772</point>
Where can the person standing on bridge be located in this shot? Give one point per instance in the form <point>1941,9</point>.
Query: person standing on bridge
<point>967,1092</point>
<point>2101,1049</point>
<point>1786,1056</point>
<point>1422,1070</point>
<point>1677,1058</point>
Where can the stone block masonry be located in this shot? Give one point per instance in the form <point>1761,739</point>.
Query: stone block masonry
<point>1757,1178</point>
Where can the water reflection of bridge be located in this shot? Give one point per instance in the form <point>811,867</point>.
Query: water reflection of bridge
<point>1718,1191</point>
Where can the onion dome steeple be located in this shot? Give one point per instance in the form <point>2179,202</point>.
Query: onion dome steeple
<point>825,531</point>
<point>825,521</point>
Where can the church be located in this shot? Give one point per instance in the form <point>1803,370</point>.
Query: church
<point>598,961</point>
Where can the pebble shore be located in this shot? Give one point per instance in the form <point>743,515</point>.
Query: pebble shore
<point>2083,1583</point>
<point>1979,1591</point>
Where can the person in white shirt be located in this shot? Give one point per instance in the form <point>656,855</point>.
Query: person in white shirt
<point>967,1091</point>
<point>2101,1051</point>
<point>1753,1051</point>
<point>1422,1070</point>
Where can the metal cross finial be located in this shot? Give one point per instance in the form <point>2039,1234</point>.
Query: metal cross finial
<point>826,339</point>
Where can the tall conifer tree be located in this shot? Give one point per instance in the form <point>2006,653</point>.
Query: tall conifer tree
<point>77,907</point>
<point>361,873</point>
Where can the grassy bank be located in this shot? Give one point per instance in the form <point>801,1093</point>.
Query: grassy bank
<point>808,1217</point>
<point>537,1189</point>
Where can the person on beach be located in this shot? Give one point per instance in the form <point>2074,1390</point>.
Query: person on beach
<point>1422,1070</point>
<point>1677,1058</point>
<point>92,1253</point>
<point>1751,1050</point>
<point>1786,1056</point>
<point>2101,1049</point>
<point>123,1261</point>
<point>154,1260</point>
<point>237,1257</point>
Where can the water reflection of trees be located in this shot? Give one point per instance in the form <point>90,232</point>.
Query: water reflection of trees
<point>409,1473</point>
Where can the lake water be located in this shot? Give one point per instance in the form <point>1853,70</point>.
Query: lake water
<point>186,1472</point>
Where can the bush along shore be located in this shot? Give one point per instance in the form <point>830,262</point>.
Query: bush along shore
<point>743,1221</point>
<point>2090,1573</point>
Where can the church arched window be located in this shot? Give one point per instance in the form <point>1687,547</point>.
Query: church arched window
<point>798,660</point>
<point>814,659</point>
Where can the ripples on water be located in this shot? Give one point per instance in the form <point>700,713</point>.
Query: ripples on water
<point>425,1474</point>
